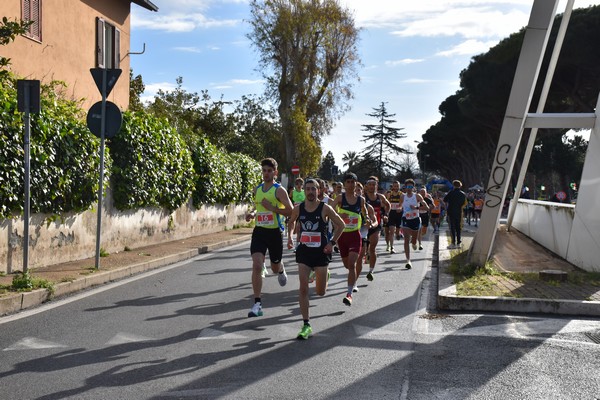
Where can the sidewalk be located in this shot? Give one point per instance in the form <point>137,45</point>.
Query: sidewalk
<point>514,252</point>
<point>78,275</point>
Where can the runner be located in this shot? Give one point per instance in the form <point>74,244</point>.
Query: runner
<point>424,214</point>
<point>455,202</point>
<point>272,204</point>
<point>477,208</point>
<point>350,207</point>
<point>364,232</point>
<point>382,207</point>
<point>314,251</point>
<point>411,223</point>
<point>436,212</point>
<point>395,215</point>
<point>297,194</point>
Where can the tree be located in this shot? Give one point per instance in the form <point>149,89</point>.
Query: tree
<point>308,55</point>
<point>383,137</point>
<point>136,88</point>
<point>326,170</point>
<point>463,143</point>
<point>180,108</point>
<point>9,30</point>
<point>350,159</point>
<point>258,134</point>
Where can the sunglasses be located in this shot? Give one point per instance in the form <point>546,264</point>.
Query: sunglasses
<point>410,187</point>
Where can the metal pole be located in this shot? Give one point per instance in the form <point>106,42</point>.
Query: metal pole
<point>101,185</point>
<point>26,145</point>
<point>540,108</point>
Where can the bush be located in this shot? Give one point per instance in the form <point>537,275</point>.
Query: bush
<point>223,178</point>
<point>63,155</point>
<point>152,166</point>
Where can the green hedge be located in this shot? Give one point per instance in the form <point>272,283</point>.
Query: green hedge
<point>151,164</point>
<point>223,178</point>
<point>64,156</point>
<point>147,162</point>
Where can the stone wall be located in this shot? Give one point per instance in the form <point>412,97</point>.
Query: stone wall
<point>73,236</point>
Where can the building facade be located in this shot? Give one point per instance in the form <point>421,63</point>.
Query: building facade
<point>68,38</point>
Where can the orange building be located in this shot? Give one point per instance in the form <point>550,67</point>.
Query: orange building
<point>67,38</point>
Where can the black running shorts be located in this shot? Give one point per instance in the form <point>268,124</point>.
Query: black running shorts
<point>264,239</point>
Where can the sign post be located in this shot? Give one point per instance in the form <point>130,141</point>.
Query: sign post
<point>295,170</point>
<point>105,80</point>
<point>28,101</point>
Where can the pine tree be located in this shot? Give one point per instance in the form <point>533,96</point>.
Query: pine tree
<point>383,137</point>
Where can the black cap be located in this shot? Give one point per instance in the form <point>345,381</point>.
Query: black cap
<point>350,175</point>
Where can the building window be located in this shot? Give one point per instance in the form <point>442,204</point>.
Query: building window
<point>32,11</point>
<point>108,45</point>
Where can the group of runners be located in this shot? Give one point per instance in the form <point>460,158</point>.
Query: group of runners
<point>350,221</point>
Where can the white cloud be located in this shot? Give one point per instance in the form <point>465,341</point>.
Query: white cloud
<point>471,23</point>
<point>152,88</point>
<point>232,83</point>
<point>405,61</point>
<point>188,49</point>
<point>467,48</point>
<point>178,22</point>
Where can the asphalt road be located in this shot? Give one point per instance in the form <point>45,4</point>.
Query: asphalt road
<point>182,333</point>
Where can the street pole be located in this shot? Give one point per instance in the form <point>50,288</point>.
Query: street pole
<point>101,183</point>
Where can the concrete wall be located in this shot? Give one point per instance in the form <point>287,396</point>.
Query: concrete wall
<point>560,229</point>
<point>67,50</point>
<point>73,236</point>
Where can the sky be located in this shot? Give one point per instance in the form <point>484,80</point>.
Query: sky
<point>412,54</point>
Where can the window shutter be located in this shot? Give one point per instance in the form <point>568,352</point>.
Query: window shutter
<point>32,11</point>
<point>26,10</point>
<point>36,17</point>
<point>117,47</point>
<point>99,43</point>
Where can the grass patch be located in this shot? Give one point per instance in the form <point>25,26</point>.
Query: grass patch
<point>103,253</point>
<point>489,280</point>
<point>579,277</point>
<point>25,282</point>
<point>88,271</point>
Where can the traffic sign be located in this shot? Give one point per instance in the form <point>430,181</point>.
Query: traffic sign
<point>295,170</point>
<point>112,75</point>
<point>561,195</point>
<point>113,119</point>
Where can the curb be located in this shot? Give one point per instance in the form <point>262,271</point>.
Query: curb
<point>448,300</point>
<point>20,301</point>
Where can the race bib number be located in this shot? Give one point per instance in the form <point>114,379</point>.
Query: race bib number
<point>394,206</point>
<point>311,239</point>
<point>351,222</point>
<point>411,214</point>
<point>265,218</point>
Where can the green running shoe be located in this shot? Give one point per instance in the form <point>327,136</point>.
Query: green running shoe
<point>305,332</point>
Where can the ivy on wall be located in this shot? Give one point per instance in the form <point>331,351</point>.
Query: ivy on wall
<point>223,178</point>
<point>151,164</point>
<point>147,163</point>
<point>64,163</point>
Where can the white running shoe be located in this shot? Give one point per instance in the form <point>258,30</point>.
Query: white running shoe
<point>255,311</point>
<point>282,276</point>
<point>414,246</point>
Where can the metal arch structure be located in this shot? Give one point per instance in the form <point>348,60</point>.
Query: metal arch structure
<point>517,119</point>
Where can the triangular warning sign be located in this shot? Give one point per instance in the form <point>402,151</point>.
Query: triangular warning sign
<point>112,76</point>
